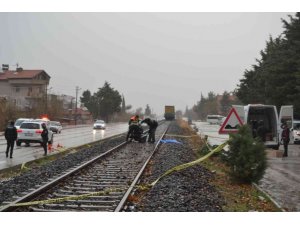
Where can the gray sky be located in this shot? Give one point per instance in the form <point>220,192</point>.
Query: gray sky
<point>152,58</point>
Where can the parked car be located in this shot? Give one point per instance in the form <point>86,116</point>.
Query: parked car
<point>55,126</point>
<point>30,132</point>
<point>296,131</point>
<point>20,121</point>
<point>99,124</point>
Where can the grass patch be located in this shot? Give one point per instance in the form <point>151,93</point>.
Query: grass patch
<point>238,197</point>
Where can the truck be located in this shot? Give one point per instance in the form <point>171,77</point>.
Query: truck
<point>252,114</point>
<point>169,112</point>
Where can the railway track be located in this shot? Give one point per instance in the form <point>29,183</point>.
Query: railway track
<point>112,175</point>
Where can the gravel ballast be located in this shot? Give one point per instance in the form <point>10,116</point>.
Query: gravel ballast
<point>36,176</point>
<point>188,190</point>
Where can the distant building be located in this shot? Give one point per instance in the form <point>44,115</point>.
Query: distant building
<point>83,116</point>
<point>68,101</point>
<point>23,87</point>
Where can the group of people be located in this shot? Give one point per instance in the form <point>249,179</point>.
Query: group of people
<point>258,129</point>
<point>135,122</point>
<point>11,136</point>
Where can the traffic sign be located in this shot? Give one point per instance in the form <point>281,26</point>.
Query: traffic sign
<point>231,123</point>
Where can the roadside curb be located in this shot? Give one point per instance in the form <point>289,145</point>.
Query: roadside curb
<point>268,196</point>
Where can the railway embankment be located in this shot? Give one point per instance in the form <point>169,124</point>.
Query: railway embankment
<point>204,187</point>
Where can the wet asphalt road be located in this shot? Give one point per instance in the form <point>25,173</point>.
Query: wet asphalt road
<point>71,137</point>
<point>282,178</point>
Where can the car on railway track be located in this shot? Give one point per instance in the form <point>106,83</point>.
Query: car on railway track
<point>30,132</point>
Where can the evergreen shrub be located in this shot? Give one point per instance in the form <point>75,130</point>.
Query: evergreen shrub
<point>246,156</point>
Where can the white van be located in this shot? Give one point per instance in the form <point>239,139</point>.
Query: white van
<point>214,119</point>
<point>253,113</point>
<point>20,121</point>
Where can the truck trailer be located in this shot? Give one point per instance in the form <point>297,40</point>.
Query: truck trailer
<point>169,112</point>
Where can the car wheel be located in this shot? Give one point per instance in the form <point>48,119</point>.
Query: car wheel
<point>19,143</point>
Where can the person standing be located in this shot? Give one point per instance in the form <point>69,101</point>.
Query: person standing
<point>10,136</point>
<point>261,131</point>
<point>285,137</point>
<point>44,135</point>
<point>152,128</point>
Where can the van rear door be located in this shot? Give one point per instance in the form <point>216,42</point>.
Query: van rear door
<point>241,112</point>
<point>286,115</point>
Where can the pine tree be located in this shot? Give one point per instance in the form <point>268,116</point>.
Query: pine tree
<point>246,156</point>
<point>147,110</point>
<point>276,77</point>
<point>123,108</point>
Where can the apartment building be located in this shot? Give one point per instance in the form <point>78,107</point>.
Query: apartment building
<point>23,87</point>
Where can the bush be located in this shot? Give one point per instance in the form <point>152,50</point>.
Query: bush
<point>246,156</point>
<point>204,150</point>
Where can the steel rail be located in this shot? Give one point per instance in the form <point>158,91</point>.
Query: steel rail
<point>42,189</point>
<point>129,190</point>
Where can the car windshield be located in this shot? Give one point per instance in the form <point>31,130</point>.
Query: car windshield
<point>19,122</point>
<point>30,126</point>
<point>99,121</point>
<point>55,123</point>
<point>297,126</point>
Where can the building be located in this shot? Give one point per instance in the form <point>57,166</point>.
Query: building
<point>77,116</point>
<point>68,101</point>
<point>23,87</point>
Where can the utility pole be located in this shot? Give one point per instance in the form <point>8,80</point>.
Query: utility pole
<point>77,89</point>
<point>46,100</point>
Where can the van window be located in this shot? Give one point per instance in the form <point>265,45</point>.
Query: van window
<point>296,126</point>
<point>212,117</point>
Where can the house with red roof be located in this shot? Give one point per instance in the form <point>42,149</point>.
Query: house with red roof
<point>23,87</point>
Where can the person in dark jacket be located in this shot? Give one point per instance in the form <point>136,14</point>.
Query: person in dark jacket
<point>285,137</point>
<point>44,135</point>
<point>152,128</point>
<point>10,136</point>
<point>133,123</point>
<point>261,131</point>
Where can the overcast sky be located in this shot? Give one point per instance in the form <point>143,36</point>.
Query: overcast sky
<point>152,58</point>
